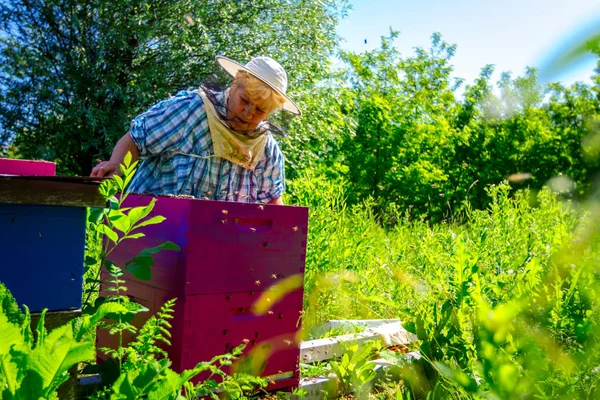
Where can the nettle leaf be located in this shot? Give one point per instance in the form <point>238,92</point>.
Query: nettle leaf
<point>169,386</point>
<point>41,330</point>
<point>10,308</point>
<point>59,352</point>
<point>9,370</point>
<point>10,333</point>
<point>32,387</point>
<point>139,382</point>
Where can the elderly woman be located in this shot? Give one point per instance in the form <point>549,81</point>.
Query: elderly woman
<point>212,144</point>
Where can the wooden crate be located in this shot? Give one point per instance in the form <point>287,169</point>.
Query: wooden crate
<point>232,253</point>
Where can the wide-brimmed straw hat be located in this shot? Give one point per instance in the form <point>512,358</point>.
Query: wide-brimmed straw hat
<point>267,70</point>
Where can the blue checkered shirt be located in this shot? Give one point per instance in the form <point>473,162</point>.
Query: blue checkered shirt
<point>179,125</point>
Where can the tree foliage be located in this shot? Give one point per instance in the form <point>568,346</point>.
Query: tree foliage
<point>419,145</point>
<point>74,74</point>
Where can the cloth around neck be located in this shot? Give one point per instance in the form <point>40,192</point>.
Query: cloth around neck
<point>243,150</point>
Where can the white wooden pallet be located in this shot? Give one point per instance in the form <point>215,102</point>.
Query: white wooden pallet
<point>390,332</point>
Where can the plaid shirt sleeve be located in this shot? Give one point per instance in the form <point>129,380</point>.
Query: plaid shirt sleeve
<point>166,125</point>
<point>272,167</point>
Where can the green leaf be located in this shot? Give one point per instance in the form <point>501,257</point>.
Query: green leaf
<point>59,352</point>
<point>119,182</point>
<point>10,334</point>
<point>131,307</point>
<point>142,260</point>
<point>142,272</point>
<point>112,268</point>
<point>41,331</point>
<point>82,325</point>
<point>32,386</point>
<point>138,213</point>
<point>163,246</point>
<point>112,235</point>
<point>121,222</point>
<point>140,267</point>
<point>152,221</point>
<point>139,382</point>
<point>95,215</point>
<point>134,236</point>
<point>127,159</point>
<point>9,371</point>
<point>168,387</point>
<point>90,260</point>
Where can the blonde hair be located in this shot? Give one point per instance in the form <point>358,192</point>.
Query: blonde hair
<point>259,92</point>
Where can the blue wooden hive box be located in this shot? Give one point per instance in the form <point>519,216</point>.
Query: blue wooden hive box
<point>42,238</point>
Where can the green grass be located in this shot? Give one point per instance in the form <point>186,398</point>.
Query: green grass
<point>503,303</point>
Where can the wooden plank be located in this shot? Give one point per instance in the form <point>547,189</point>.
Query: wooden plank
<point>328,348</point>
<point>51,190</point>
<point>327,326</point>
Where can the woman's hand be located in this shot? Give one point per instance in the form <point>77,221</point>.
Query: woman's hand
<point>104,169</point>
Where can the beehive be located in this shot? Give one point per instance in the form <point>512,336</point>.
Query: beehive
<point>231,255</point>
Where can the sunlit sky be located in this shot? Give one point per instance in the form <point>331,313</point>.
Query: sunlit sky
<point>511,34</point>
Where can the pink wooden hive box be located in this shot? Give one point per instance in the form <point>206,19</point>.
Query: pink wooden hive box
<point>231,254</point>
<point>27,167</point>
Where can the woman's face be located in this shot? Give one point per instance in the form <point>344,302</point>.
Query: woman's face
<point>242,113</point>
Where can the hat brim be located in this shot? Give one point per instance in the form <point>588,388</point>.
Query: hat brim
<point>233,67</point>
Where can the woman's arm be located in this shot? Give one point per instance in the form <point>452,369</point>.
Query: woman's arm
<point>108,168</point>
